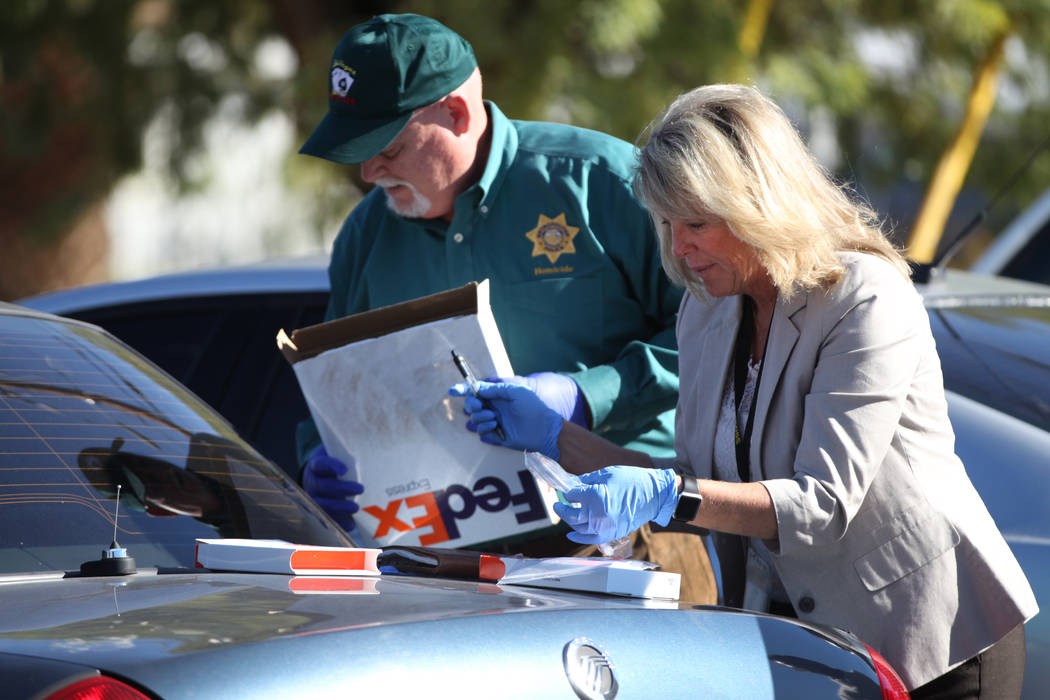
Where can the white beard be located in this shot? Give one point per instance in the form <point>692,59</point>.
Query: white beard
<point>419,205</point>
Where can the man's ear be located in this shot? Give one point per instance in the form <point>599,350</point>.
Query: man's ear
<point>459,114</point>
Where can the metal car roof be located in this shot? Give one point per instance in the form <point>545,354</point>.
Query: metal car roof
<point>993,336</point>
<point>306,274</point>
<point>953,287</point>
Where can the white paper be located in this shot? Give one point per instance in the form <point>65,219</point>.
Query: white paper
<point>617,576</point>
<point>525,570</point>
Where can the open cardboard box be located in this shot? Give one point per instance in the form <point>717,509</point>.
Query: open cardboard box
<point>376,384</point>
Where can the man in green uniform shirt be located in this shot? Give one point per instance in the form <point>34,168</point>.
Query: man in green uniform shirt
<point>544,211</point>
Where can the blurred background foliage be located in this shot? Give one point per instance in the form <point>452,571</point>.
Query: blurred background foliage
<point>879,88</point>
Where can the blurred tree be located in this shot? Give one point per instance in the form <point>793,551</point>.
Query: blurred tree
<point>896,77</point>
<point>80,81</point>
<point>880,88</point>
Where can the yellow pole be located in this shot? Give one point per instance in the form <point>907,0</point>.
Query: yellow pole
<point>754,28</point>
<point>951,169</point>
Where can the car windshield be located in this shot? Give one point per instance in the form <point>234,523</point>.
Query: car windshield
<point>996,354</point>
<point>81,415</point>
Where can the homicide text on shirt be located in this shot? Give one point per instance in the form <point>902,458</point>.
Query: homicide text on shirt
<point>561,269</point>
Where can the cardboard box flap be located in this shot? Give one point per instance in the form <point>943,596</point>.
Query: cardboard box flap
<point>310,341</point>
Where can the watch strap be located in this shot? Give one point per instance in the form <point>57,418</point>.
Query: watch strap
<point>688,501</point>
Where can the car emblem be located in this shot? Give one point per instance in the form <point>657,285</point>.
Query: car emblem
<point>589,670</point>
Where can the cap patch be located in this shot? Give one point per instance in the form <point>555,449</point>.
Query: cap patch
<point>342,79</point>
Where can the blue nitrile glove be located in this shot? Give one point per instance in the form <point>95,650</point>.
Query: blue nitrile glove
<point>616,501</point>
<point>527,422</point>
<point>560,393</point>
<point>321,480</point>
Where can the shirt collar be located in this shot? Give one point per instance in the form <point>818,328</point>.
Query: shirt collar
<point>502,149</point>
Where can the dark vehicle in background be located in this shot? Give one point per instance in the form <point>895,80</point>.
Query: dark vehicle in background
<point>993,336</point>
<point>215,331</point>
<point>87,422</point>
<point>1022,249</point>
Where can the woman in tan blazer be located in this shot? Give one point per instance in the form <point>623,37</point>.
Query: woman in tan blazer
<point>812,430</point>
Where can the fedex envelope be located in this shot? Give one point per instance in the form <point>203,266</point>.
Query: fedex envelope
<point>377,386</point>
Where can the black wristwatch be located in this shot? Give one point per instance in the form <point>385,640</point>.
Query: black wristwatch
<point>688,501</point>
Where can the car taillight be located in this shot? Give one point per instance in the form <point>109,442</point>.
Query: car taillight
<point>97,688</point>
<point>892,685</point>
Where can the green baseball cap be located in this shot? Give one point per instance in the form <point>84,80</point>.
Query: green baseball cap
<point>382,71</point>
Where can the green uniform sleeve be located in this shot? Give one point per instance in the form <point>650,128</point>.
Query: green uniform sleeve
<point>641,383</point>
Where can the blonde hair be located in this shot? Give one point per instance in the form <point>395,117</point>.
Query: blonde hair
<point>729,151</point>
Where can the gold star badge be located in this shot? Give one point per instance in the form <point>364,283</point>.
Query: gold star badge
<point>552,237</point>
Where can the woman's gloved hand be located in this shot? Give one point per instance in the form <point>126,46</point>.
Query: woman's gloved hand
<point>527,422</point>
<point>321,479</point>
<point>616,501</point>
<point>560,393</point>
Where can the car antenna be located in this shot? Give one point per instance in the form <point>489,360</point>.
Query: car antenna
<point>115,560</point>
<point>924,273</point>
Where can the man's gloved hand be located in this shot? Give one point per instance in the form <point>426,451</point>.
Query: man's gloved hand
<point>560,393</point>
<point>527,422</point>
<point>616,501</point>
<point>321,479</point>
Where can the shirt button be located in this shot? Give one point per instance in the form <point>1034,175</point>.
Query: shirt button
<point>484,209</point>
<point>458,238</point>
<point>806,604</point>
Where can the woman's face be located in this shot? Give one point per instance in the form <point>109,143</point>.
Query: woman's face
<point>724,263</point>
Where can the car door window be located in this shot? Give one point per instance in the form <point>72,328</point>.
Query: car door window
<point>1031,262</point>
<point>223,349</point>
<point>80,416</point>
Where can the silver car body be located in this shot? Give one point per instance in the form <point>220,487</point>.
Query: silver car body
<point>1005,455</point>
<point>81,414</point>
<point>215,635</point>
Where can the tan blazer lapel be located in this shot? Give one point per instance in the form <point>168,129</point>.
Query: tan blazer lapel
<point>783,335</point>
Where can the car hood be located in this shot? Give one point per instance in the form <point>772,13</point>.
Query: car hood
<point>242,635</point>
<point>151,616</point>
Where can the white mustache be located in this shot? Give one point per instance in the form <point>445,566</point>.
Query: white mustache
<point>393,182</point>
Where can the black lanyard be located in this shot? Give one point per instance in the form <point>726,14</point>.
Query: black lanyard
<point>740,358</point>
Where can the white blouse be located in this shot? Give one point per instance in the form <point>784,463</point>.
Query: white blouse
<point>762,581</point>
